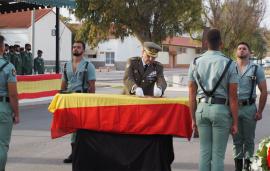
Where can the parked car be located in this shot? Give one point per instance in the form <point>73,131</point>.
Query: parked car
<point>266,63</point>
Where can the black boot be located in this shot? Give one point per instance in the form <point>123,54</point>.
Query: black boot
<point>247,166</point>
<point>238,164</point>
<point>69,158</point>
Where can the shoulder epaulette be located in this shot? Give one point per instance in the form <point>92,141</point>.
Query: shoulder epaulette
<point>194,61</point>
<point>4,65</point>
<point>157,63</point>
<point>136,58</point>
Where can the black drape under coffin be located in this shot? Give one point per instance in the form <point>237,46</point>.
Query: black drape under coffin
<point>99,151</point>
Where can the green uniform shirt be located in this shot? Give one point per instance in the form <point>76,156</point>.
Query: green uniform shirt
<point>7,56</point>
<point>16,60</point>
<point>8,74</point>
<point>39,65</point>
<point>210,66</point>
<point>245,82</point>
<point>27,60</point>
<point>75,78</point>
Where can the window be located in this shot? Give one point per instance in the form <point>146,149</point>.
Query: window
<point>165,48</point>
<point>92,56</point>
<point>109,58</point>
<point>182,50</point>
<point>199,50</point>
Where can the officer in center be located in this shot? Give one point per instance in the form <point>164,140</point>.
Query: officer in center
<point>143,75</point>
<point>213,100</point>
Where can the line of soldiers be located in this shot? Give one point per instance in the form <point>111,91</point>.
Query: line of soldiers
<point>23,61</point>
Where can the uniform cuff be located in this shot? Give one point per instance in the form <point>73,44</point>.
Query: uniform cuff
<point>133,89</point>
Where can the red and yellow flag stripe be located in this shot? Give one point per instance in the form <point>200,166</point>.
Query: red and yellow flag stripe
<point>120,114</point>
<point>36,86</point>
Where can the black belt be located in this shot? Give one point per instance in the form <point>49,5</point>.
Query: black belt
<point>214,100</point>
<point>246,102</point>
<point>4,99</point>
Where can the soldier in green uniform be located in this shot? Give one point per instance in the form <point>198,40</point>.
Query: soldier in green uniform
<point>9,112</point>
<point>250,75</point>
<point>27,59</point>
<point>143,75</point>
<point>79,76</point>
<point>16,60</point>
<point>39,63</point>
<point>6,55</point>
<point>213,101</point>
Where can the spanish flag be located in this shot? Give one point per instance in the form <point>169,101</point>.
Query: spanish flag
<point>36,86</point>
<point>120,114</point>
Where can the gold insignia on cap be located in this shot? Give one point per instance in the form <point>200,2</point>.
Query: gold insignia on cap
<point>151,48</point>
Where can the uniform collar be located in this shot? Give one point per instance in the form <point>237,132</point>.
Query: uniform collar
<point>246,69</point>
<point>81,62</point>
<point>213,52</point>
<point>143,62</point>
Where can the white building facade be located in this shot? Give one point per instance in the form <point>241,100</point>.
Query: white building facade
<point>115,53</point>
<point>44,39</point>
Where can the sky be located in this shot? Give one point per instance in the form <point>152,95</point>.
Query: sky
<point>266,20</point>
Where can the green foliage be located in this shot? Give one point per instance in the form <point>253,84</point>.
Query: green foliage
<point>148,20</point>
<point>262,152</point>
<point>238,20</point>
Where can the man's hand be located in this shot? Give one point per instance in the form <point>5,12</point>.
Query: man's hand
<point>139,92</point>
<point>16,119</point>
<point>258,116</point>
<point>234,129</point>
<point>195,129</point>
<point>157,92</point>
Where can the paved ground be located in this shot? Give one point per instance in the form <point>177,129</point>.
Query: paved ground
<point>32,149</point>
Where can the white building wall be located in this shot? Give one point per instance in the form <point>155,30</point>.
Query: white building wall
<point>186,58</point>
<point>46,42</point>
<point>123,50</point>
<point>163,57</point>
<point>43,37</point>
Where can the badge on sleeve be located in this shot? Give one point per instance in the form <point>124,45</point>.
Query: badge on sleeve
<point>13,72</point>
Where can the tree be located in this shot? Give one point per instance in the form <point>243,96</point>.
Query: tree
<point>148,20</point>
<point>238,20</point>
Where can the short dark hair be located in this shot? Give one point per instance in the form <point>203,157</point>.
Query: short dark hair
<point>27,44</point>
<point>213,39</point>
<point>2,39</point>
<point>244,43</point>
<point>81,42</point>
<point>6,45</point>
<point>16,46</point>
<point>39,51</point>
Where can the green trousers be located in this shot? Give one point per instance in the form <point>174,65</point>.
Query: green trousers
<point>214,122</point>
<point>243,142</point>
<point>6,124</point>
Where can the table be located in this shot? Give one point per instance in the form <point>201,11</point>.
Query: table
<point>120,132</point>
